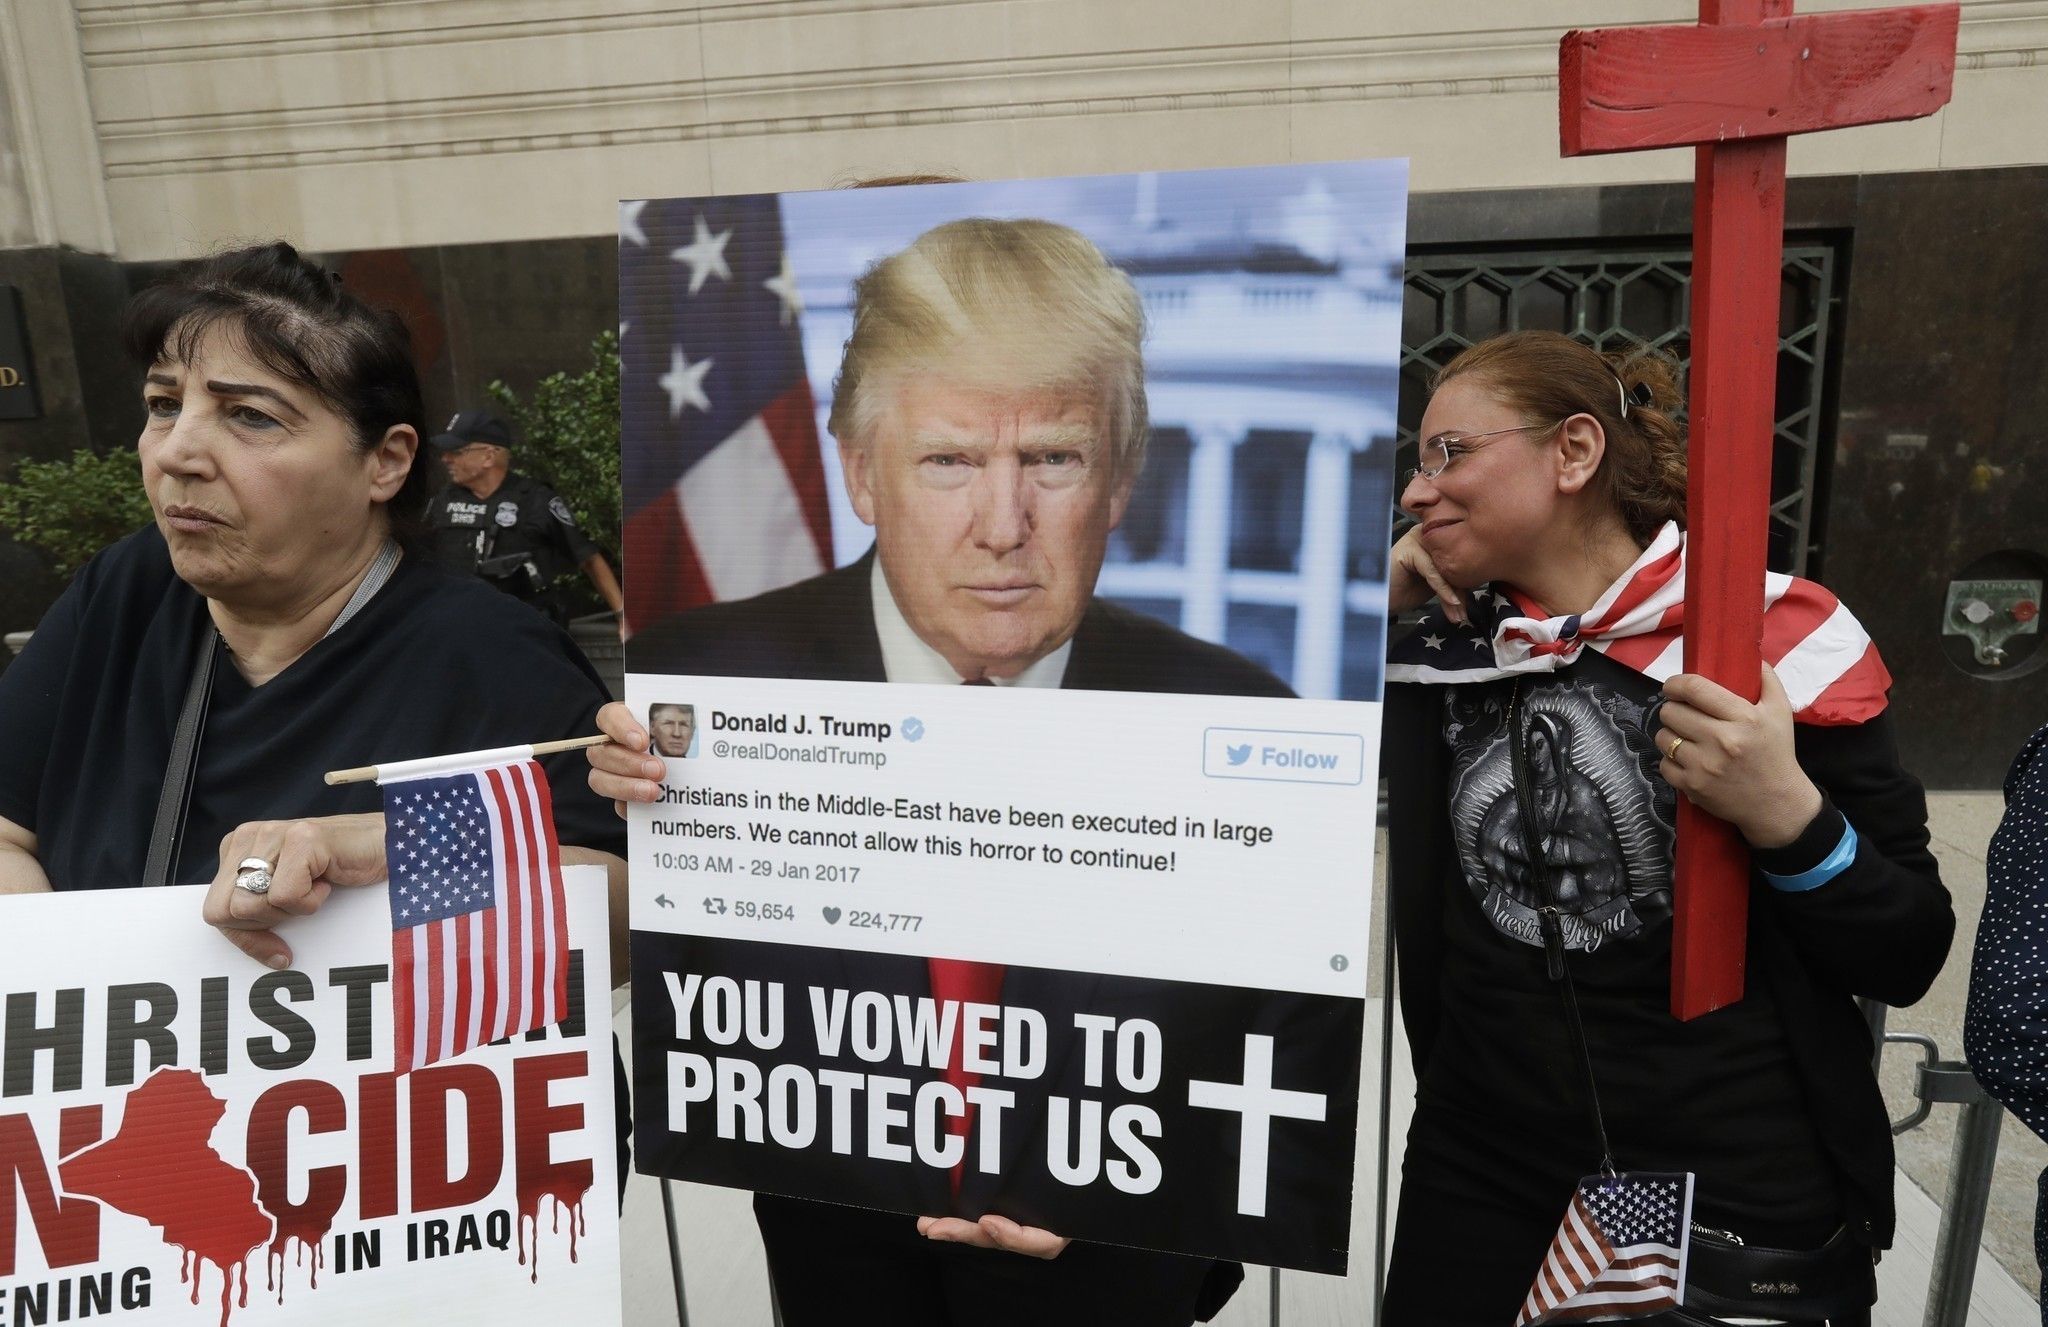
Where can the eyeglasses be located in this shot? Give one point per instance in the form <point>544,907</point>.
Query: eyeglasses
<point>1437,453</point>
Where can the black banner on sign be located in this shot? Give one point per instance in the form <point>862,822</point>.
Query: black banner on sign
<point>1194,1118</point>
<point>17,371</point>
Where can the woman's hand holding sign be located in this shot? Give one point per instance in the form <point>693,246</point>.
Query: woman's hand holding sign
<point>625,770</point>
<point>993,1232</point>
<point>306,859</point>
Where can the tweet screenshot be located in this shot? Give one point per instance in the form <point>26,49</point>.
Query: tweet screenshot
<point>1193,838</point>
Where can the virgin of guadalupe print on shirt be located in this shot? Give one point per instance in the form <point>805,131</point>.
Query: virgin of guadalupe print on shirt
<point>1606,818</point>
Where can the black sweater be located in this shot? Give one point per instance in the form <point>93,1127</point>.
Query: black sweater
<point>1880,929</point>
<point>434,663</point>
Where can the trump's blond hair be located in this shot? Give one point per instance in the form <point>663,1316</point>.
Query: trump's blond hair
<point>999,305</point>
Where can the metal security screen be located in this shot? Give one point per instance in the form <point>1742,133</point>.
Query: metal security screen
<point>1615,301</point>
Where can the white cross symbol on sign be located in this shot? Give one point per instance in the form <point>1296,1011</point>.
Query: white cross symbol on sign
<point>1259,1103</point>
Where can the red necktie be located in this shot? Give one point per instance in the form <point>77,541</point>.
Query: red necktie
<point>966,983</point>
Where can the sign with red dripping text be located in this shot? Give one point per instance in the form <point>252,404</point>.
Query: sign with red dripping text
<point>187,1137</point>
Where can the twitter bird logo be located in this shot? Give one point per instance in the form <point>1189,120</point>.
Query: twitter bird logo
<point>1238,754</point>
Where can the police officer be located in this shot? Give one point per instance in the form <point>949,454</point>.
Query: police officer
<point>513,531</point>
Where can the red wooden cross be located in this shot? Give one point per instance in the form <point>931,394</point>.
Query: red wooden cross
<point>1734,88</point>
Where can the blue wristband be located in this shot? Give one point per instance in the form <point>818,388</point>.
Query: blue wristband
<point>1831,866</point>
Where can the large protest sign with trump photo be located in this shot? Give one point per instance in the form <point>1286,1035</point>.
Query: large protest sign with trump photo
<point>1006,571</point>
<point>189,1137</point>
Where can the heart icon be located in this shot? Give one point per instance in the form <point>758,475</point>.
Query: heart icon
<point>832,916</point>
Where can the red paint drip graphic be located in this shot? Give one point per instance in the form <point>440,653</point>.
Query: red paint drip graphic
<point>159,1166</point>
<point>281,1246</point>
<point>308,1221</point>
<point>568,1198</point>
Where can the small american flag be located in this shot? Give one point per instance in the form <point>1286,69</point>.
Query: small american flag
<point>1828,664</point>
<point>1620,1253</point>
<point>479,927</point>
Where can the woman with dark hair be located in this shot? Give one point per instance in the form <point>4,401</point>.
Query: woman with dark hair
<point>1539,732</point>
<point>276,608</point>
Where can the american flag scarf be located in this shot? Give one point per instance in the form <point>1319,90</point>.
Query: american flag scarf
<point>1828,664</point>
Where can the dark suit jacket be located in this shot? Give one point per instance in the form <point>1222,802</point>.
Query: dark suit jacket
<point>823,629</point>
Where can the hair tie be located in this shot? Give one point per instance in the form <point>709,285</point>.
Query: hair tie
<point>1637,396</point>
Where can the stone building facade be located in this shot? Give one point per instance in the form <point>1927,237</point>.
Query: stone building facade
<point>461,159</point>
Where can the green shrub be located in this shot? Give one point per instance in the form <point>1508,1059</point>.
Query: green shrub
<point>569,438</point>
<point>71,509</point>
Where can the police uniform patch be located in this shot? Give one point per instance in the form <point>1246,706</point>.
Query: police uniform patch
<point>560,511</point>
<point>508,514</point>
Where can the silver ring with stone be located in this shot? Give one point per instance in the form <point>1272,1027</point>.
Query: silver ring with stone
<point>252,875</point>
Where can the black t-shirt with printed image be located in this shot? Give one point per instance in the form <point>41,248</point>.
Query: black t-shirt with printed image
<point>1718,1095</point>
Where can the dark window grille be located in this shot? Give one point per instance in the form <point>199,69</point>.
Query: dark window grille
<point>1615,300</point>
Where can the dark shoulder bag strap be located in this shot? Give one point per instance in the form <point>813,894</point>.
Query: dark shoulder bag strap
<point>1547,915</point>
<point>165,836</point>
<point>177,791</point>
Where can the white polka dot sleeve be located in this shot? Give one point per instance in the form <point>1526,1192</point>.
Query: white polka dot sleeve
<point>2005,1032</point>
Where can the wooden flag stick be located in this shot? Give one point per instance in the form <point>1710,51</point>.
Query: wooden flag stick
<point>365,773</point>
<point>569,744</point>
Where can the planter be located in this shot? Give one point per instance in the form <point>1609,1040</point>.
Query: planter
<point>598,637</point>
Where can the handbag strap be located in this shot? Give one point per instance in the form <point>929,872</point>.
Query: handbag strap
<point>373,580</point>
<point>1547,916</point>
<point>176,798</point>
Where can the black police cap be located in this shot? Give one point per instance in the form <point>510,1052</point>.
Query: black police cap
<point>473,426</point>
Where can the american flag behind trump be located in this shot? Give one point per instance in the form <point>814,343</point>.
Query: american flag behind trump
<point>479,926</point>
<point>1620,1253</point>
<point>724,486</point>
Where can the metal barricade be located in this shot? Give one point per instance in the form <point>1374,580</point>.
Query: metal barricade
<point>1961,1232</point>
<point>675,1253</point>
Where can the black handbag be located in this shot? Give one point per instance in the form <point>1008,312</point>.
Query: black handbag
<point>1727,1278</point>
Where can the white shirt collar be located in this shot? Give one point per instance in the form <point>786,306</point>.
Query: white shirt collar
<point>906,657</point>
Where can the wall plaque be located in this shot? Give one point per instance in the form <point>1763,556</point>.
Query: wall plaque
<point>17,371</point>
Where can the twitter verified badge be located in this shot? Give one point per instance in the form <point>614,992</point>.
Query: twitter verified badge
<point>1283,756</point>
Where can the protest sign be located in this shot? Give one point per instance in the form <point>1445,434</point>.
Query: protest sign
<point>187,1137</point>
<point>1083,945</point>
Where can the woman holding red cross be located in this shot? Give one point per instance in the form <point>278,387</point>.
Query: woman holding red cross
<point>1539,733</point>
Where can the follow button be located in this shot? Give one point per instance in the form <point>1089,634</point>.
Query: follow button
<point>1283,756</point>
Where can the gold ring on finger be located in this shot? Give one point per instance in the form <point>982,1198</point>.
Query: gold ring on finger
<point>1676,743</point>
